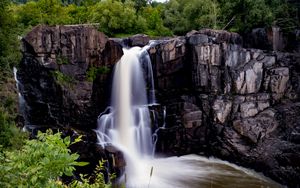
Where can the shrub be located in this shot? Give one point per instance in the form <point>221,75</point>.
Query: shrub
<point>62,79</point>
<point>11,137</point>
<point>39,163</point>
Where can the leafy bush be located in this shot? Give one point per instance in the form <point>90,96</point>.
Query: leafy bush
<point>11,137</point>
<point>62,79</point>
<point>84,181</point>
<point>42,161</point>
<point>39,163</point>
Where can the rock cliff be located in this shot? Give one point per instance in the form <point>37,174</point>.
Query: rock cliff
<point>235,103</point>
<point>64,78</point>
<point>64,73</point>
<point>238,104</point>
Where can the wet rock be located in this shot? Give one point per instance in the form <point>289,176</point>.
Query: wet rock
<point>168,60</point>
<point>279,79</point>
<point>195,39</point>
<point>192,119</point>
<point>222,109</point>
<point>248,109</point>
<point>256,128</point>
<point>116,159</point>
<point>75,44</point>
<point>220,36</point>
<point>259,38</point>
<point>140,40</point>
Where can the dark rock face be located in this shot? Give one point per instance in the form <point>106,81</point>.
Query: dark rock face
<point>64,72</point>
<point>273,38</point>
<point>140,40</point>
<point>64,75</point>
<point>235,103</point>
<point>224,100</point>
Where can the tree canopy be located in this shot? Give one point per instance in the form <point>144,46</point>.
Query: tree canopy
<point>117,17</point>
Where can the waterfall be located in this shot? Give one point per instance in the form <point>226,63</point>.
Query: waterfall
<point>21,100</point>
<point>126,124</point>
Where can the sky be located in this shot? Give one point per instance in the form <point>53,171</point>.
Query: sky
<point>160,1</point>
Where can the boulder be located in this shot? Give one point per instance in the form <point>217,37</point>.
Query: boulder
<point>140,40</point>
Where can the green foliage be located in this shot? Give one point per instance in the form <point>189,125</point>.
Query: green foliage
<point>42,161</point>
<point>62,60</point>
<point>285,14</point>
<point>11,137</point>
<point>185,15</point>
<point>139,4</point>
<point>49,12</point>
<point>154,22</point>
<point>39,163</point>
<point>78,14</point>
<point>94,71</point>
<point>114,16</point>
<point>9,42</point>
<point>62,79</point>
<point>249,14</point>
<point>84,181</point>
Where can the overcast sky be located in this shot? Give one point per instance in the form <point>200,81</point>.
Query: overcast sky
<point>160,0</point>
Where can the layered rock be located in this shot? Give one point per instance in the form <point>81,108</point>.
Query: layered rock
<point>227,101</point>
<point>64,71</point>
<point>64,76</point>
<point>239,104</point>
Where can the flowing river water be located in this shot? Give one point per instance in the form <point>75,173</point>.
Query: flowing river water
<point>126,124</point>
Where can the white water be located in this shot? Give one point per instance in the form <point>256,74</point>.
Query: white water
<point>126,124</point>
<point>21,100</point>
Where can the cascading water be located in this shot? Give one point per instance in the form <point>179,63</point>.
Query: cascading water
<point>21,100</point>
<point>126,124</point>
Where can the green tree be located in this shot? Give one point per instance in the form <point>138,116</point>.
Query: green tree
<point>185,15</point>
<point>155,26</point>
<point>39,163</point>
<point>285,14</point>
<point>9,56</point>
<point>50,12</point>
<point>114,16</point>
<point>139,4</point>
<point>172,17</point>
<point>247,14</point>
<point>3,25</point>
